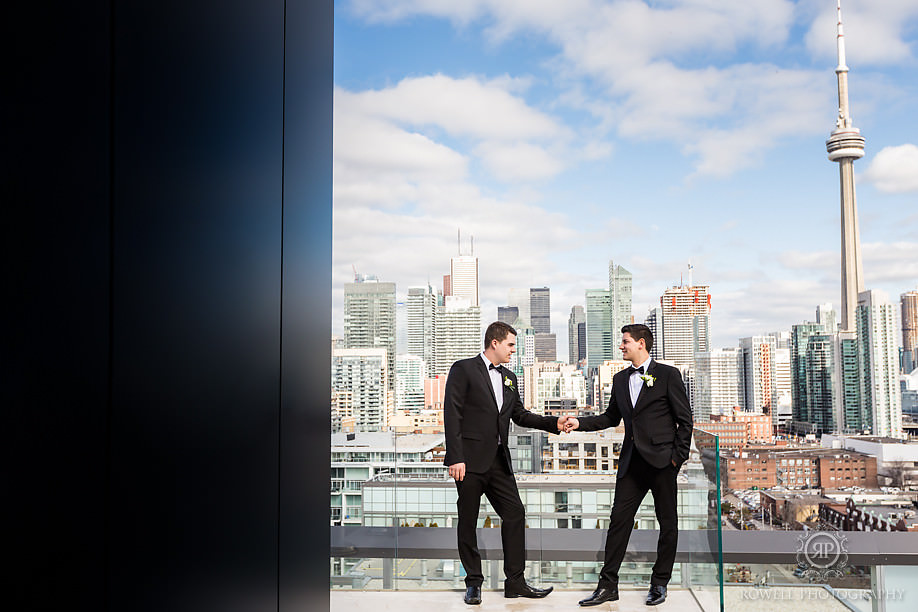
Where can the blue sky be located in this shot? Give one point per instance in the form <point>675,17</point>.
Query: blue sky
<point>562,135</point>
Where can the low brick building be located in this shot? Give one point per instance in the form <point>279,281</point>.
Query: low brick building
<point>764,467</point>
<point>747,468</point>
<point>792,508</point>
<point>739,429</point>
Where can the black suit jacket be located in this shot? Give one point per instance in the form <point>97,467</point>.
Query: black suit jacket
<point>471,420</point>
<point>659,425</point>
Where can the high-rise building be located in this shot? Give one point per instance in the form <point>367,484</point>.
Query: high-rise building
<point>717,383</point>
<point>782,412</point>
<point>820,406</point>
<point>576,326</point>
<point>457,333</point>
<point>369,319</point>
<point>520,298</point>
<point>410,373</point>
<point>908,302</point>
<point>826,377</point>
<point>782,339</point>
<point>827,388</point>
<point>508,314</point>
<point>828,317</point>
<point>844,146</point>
<point>599,333</point>
<point>603,382</point>
<point>342,417</point>
<point>361,373</point>
<point>909,386</point>
<point>540,310</point>
<point>853,414</point>
<point>878,358</point>
<point>620,302</point>
<point>524,356</point>
<point>654,321</point>
<point>463,274</point>
<point>548,381</point>
<point>421,305</point>
<point>434,392</point>
<point>546,345</point>
<point>686,313</point>
<point>800,336</point>
<point>759,388</point>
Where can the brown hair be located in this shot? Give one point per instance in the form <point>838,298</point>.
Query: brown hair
<point>639,331</point>
<point>498,330</point>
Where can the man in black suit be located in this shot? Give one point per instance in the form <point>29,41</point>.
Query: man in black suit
<point>481,398</point>
<point>650,398</point>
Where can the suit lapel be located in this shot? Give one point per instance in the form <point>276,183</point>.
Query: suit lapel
<point>486,379</point>
<point>644,388</point>
<point>624,395</point>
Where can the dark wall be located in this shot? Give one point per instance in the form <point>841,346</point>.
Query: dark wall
<point>166,346</point>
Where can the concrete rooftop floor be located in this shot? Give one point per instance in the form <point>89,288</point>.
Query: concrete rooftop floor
<point>736,599</point>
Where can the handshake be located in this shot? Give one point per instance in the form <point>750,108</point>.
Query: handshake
<point>567,424</point>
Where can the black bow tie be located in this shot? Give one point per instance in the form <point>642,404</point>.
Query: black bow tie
<point>633,369</point>
<point>491,366</point>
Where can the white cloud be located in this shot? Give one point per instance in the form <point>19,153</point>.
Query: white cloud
<point>646,59</point>
<point>519,161</point>
<point>401,192</point>
<point>664,71</point>
<point>894,169</point>
<point>874,30</point>
<point>890,264</point>
<point>765,305</point>
<point>407,126</point>
<point>363,144</point>
<point>810,260</point>
<point>461,107</point>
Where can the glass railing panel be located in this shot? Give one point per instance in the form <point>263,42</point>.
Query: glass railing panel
<point>411,499</point>
<point>363,508</point>
<point>700,521</point>
<point>861,588</point>
<point>425,509</point>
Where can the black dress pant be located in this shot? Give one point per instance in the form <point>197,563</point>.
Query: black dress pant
<point>630,490</point>
<point>499,486</point>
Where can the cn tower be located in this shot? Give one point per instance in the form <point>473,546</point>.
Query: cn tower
<point>844,146</point>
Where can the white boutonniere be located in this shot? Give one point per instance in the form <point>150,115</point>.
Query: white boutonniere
<point>508,383</point>
<point>648,379</point>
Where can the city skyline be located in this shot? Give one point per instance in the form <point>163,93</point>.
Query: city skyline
<point>524,116</point>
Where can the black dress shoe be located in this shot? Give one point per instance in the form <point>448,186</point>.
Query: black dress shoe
<point>600,595</point>
<point>473,595</point>
<point>656,595</point>
<point>521,589</point>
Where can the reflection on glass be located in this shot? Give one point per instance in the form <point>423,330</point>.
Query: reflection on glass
<point>407,492</point>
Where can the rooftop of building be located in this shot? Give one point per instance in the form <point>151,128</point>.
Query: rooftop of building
<point>873,439</point>
<point>883,440</point>
<point>821,452</point>
<point>775,448</point>
<point>805,497</point>
<point>907,514</point>
<point>884,496</point>
<point>385,441</point>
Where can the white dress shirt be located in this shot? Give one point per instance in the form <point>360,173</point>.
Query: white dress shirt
<point>497,382</point>
<point>635,382</point>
